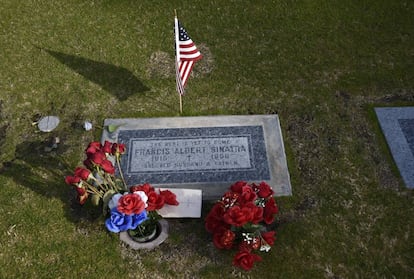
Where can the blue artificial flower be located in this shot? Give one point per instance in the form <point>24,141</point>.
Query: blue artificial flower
<point>137,219</point>
<point>118,221</point>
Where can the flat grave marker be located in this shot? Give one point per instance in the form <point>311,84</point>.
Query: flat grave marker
<point>206,152</point>
<point>397,124</point>
<point>189,206</point>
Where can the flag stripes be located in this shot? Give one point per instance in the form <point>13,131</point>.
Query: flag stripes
<point>186,54</point>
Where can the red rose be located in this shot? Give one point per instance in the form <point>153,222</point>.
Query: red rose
<point>224,239</point>
<point>93,147</point>
<point>249,245</point>
<point>154,201</point>
<point>237,187</point>
<point>118,148</point>
<point>130,204</point>
<point>106,148</point>
<point>263,190</point>
<point>159,203</point>
<point>97,157</point>
<point>134,189</point>
<point>82,173</point>
<point>214,225</point>
<point>81,191</point>
<point>82,195</point>
<point>72,180</point>
<point>108,167</point>
<point>244,246</point>
<point>229,198</point>
<point>145,188</point>
<point>269,237</point>
<point>257,212</point>
<point>169,197</point>
<point>214,220</point>
<point>217,211</point>
<point>270,210</point>
<point>247,194</point>
<point>245,259</point>
<point>238,216</point>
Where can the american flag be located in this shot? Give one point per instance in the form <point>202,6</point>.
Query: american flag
<point>186,54</point>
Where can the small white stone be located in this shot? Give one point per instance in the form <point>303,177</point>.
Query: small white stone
<point>48,123</point>
<point>87,125</point>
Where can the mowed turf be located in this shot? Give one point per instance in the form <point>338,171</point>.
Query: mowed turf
<point>321,65</point>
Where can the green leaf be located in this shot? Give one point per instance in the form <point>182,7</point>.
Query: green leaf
<point>112,127</point>
<point>95,200</point>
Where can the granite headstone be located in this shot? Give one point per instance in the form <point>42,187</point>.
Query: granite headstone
<point>397,124</point>
<point>207,152</point>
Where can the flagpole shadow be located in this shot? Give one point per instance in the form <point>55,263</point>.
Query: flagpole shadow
<point>118,81</point>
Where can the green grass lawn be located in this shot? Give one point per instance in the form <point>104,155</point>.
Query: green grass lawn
<point>321,65</point>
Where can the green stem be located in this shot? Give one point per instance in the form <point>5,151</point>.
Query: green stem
<point>94,191</point>
<point>120,172</point>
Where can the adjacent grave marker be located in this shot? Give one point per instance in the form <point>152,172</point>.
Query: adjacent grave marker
<point>208,153</point>
<point>397,124</point>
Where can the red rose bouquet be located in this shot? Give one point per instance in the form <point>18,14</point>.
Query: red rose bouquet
<point>239,219</point>
<point>127,208</point>
<point>97,177</point>
<point>154,200</point>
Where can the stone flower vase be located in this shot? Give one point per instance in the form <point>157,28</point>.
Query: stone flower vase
<point>150,241</point>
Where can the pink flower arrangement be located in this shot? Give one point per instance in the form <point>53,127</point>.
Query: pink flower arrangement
<point>239,219</point>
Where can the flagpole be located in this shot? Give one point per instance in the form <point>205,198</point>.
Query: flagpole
<point>181,104</point>
<point>177,54</point>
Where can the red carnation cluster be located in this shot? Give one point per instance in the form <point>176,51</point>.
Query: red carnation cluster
<point>239,219</point>
<point>97,164</point>
<point>155,200</point>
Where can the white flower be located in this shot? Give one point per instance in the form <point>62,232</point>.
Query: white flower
<point>265,248</point>
<point>143,196</point>
<point>247,237</point>
<point>114,201</point>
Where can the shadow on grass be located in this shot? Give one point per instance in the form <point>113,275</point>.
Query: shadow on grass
<point>116,80</point>
<point>43,173</point>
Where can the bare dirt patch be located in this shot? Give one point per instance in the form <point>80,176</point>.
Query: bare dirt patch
<point>162,65</point>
